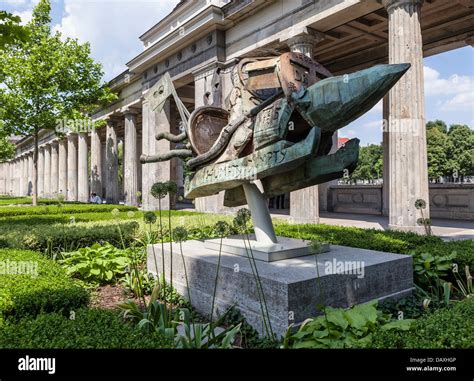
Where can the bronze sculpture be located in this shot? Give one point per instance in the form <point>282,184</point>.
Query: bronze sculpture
<point>277,128</point>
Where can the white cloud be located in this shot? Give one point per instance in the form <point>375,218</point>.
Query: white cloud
<point>112,27</point>
<point>455,84</point>
<point>460,102</point>
<point>25,16</point>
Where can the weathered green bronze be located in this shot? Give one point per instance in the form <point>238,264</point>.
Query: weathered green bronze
<point>277,126</point>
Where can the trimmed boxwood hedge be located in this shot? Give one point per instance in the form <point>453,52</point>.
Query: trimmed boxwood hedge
<point>27,294</point>
<point>90,328</point>
<point>64,209</point>
<point>450,327</point>
<point>389,241</point>
<point>65,237</point>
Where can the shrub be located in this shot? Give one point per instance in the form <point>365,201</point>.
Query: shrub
<point>64,209</point>
<point>372,239</point>
<point>449,327</point>
<point>66,237</point>
<point>91,328</point>
<point>44,288</point>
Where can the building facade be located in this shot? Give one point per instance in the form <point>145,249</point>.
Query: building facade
<point>199,43</point>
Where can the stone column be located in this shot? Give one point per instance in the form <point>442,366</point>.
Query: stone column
<point>25,175</point>
<point>153,123</point>
<point>406,132</point>
<point>30,174</point>
<point>111,176</point>
<point>96,162</point>
<point>386,156</point>
<point>72,167</point>
<point>62,167</point>
<point>130,172</point>
<point>47,171</point>
<point>41,172</point>
<point>20,176</point>
<point>304,203</point>
<point>2,178</point>
<point>83,168</point>
<point>9,178</point>
<point>54,169</point>
<point>203,88</point>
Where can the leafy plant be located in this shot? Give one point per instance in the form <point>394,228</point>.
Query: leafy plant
<point>140,283</point>
<point>97,264</point>
<point>465,288</point>
<point>203,336</point>
<point>339,328</point>
<point>429,268</point>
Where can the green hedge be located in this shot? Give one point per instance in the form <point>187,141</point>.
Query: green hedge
<point>445,328</point>
<point>43,287</point>
<point>464,251</point>
<point>91,328</point>
<point>66,237</point>
<point>10,211</point>
<point>9,200</point>
<point>389,241</point>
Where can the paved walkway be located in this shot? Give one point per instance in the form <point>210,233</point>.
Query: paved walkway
<point>446,229</point>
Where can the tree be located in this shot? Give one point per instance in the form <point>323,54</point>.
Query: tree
<point>47,80</point>
<point>370,165</point>
<point>437,147</point>
<point>438,124</point>
<point>11,32</point>
<point>7,149</point>
<point>461,150</point>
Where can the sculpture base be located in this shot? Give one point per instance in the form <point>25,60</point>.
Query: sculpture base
<point>293,287</point>
<point>285,248</point>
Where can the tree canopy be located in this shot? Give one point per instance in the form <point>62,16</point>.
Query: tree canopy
<point>450,153</point>
<point>11,32</point>
<point>46,79</point>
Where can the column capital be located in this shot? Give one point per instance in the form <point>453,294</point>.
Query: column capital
<point>392,4</point>
<point>131,111</point>
<point>207,70</point>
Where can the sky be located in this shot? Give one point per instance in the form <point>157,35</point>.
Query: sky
<point>113,26</point>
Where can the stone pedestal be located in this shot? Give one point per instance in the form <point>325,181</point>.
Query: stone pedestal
<point>291,286</point>
<point>408,169</point>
